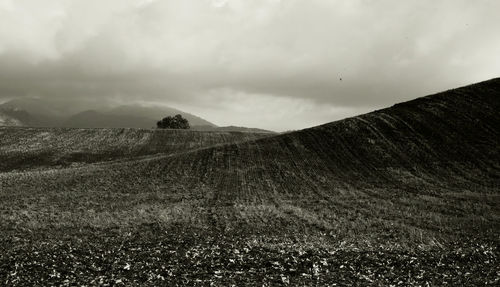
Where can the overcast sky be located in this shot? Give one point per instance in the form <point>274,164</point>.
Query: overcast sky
<point>261,63</point>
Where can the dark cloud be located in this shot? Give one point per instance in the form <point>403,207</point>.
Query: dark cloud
<point>231,60</point>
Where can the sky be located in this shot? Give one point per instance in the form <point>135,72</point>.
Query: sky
<point>279,65</point>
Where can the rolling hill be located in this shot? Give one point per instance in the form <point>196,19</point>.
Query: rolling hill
<point>24,148</point>
<point>405,188</point>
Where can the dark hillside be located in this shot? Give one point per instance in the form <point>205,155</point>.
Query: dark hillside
<point>446,139</point>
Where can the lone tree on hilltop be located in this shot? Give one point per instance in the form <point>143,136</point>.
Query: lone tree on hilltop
<point>175,122</point>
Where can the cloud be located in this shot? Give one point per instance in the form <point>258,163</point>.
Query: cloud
<point>259,54</point>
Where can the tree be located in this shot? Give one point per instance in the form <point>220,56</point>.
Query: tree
<point>175,122</point>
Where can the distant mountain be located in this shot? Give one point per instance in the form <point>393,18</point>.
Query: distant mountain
<point>155,114</point>
<point>39,113</point>
<point>95,119</point>
<point>37,107</point>
<point>15,117</point>
<point>45,113</point>
<point>49,113</point>
<point>8,120</point>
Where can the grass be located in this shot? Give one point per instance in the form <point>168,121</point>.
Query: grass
<point>403,196</point>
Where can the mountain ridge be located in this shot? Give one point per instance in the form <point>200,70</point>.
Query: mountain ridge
<point>121,116</point>
<point>49,113</point>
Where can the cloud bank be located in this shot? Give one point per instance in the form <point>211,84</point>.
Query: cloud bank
<point>264,63</point>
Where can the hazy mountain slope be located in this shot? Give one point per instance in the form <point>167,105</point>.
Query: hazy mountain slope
<point>38,112</point>
<point>6,119</point>
<point>37,106</point>
<point>46,113</point>
<point>95,119</point>
<point>155,114</point>
<point>51,113</point>
<point>22,148</point>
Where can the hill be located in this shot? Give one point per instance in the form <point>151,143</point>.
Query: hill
<point>26,148</point>
<point>410,193</point>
